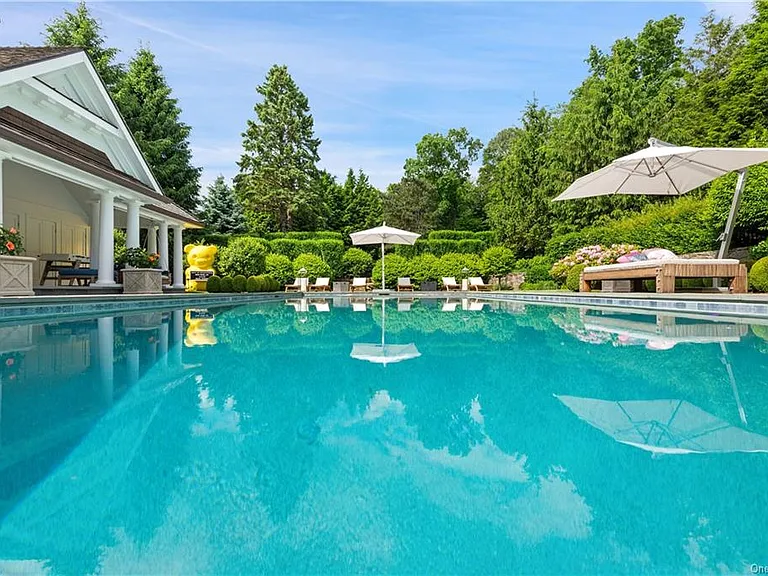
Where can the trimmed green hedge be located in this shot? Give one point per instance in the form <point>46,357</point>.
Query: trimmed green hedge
<point>498,261</point>
<point>573,280</point>
<point>226,284</point>
<point>213,284</point>
<point>356,263</point>
<point>280,268</point>
<point>243,256</point>
<point>758,275</point>
<point>314,265</point>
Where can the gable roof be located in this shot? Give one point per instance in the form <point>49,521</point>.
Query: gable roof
<point>15,56</point>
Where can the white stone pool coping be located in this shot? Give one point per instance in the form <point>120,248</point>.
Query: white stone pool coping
<point>746,306</point>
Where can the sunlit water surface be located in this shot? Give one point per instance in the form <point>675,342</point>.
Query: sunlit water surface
<point>331,436</point>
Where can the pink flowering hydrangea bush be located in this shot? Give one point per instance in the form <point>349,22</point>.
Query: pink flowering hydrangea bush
<point>596,255</point>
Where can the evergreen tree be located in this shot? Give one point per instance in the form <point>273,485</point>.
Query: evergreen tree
<point>154,118</point>
<point>222,212</point>
<point>410,205</point>
<point>278,164</point>
<point>519,208</point>
<point>362,203</point>
<point>79,28</point>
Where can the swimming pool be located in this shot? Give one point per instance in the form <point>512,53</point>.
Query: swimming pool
<point>338,436</point>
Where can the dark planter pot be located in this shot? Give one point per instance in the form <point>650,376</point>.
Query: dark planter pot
<point>428,287</point>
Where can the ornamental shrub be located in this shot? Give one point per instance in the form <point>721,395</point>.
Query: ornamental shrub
<point>536,269</point>
<point>442,246</point>
<point>244,256</point>
<point>279,267</point>
<point>239,283</point>
<point>424,268</point>
<point>758,275</point>
<point>313,264</point>
<point>356,262</point>
<point>498,261</point>
<point>288,247</point>
<point>395,266</point>
<point>11,242</point>
<point>226,284</point>
<point>214,284</point>
<point>331,251</point>
<point>450,235</point>
<point>573,280</point>
<point>759,251</point>
<point>591,256</point>
<point>452,264</point>
<point>470,246</point>
<point>252,284</point>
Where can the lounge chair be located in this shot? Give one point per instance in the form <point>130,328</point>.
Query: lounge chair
<point>404,285</point>
<point>295,287</point>
<point>667,270</point>
<point>404,304</point>
<point>359,305</point>
<point>321,285</point>
<point>476,283</point>
<point>360,285</point>
<point>450,283</point>
<point>321,305</point>
<point>449,306</point>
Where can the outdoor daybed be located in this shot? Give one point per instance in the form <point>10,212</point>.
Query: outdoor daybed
<point>664,272</point>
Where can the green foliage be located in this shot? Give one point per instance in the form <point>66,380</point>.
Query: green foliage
<point>263,283</point>
<point>362,203</point>
<point>573,280</point>
<point>222,212</point>
<point>443,162</point>
<point>214,284</point>
<point>682,226</point>
<point>759,251</point>
<point>79,28</point>
<point>305,235</point>
<point>313,264</point>
<point>154,118</point>
<point>395,266</point>
<point>244,255</point>
<point>539,285</point>
<point>455,235</point>
<point>11,242</point>
<point>470,246</point>
<point>226,284</point>
<point>536,269</point>
<point>278,165</point>
<point>138,258</point>
<point>424,268</point>
<point>498,261</point>
<point>252,284</point>
<point>331,251</point>
<point>356,263</point>
<point>280,268</point>
<point>453,264</point>
<point>411,204</point>
<point>758,275</point>
<point>519,207</point>
<point>239,283</point>
<point>752,218</point>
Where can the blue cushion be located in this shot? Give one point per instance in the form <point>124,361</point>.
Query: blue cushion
<point>78,272</point>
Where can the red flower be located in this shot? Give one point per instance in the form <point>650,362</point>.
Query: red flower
<point>9,362</point>
<point>10,245</point>
<point>13,230</point>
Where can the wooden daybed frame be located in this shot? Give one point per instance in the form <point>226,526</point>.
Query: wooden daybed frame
<point>664,272</point>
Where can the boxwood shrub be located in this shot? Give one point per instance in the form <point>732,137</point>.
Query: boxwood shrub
<point>239,283</point>
<point>452,264</point>
<point>314,265</point>
<point>280,268</point>
<point>356,262</point>
<point>573,280</point>
<point>758,275</point>
<point>251,284</point>
<point>498,261</point>
<point>214,284</point>
<point>226,284</point>
<point>244,256</point>
<point>395,266</point>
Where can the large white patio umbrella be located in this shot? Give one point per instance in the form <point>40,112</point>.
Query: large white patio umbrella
<point>664,169</point>
<point>664,426</point>
<point>383,235</point>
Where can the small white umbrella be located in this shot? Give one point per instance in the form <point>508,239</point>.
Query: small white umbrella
<point>664,426</point>
<point>383,235</point>
<point>666,170</point>
<point>384,353</point>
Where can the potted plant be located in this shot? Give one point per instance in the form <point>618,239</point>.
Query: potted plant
<point>141,272</point>
<point>15,270</point>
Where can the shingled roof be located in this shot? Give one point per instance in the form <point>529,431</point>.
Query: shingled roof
<point>15,56</point>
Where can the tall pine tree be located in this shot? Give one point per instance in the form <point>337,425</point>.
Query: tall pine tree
<point>79,28</point>
<point>154,118</point>
<point>278,164</point>
<point>362,203</point>
<point>221,210</point>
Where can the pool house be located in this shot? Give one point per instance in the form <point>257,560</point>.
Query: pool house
<point>71,171</point>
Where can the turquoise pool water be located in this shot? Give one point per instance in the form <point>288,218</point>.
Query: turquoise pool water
<point>432,437</point>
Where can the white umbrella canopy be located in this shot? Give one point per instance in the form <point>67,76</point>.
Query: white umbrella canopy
<point>383,235</point>
<point>664,426</point>
<point>384,353</point>
<point>663,169</point>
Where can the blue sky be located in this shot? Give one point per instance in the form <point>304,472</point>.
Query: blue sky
<point>378,75</point>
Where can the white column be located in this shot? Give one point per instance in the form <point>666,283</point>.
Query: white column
<point>163,343</point>
<point>2,161</point>
<point>132,361</point>
<point>178,258</point>
<point>132,228</point>
<point>176,358</point>
<point>106,328</point>
<point>164,245</point>
<point>95,236</point>
<point>152,239</point>
<point>106,240</point>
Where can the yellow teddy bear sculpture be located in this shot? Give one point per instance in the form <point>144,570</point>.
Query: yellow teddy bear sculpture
<point>199,329</point>
<point>200,259</point>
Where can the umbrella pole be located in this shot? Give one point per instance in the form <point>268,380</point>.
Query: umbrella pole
<point>729,225</point>
<point>383,283</point>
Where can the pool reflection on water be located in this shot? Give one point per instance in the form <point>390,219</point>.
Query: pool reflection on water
<point>338,435</point>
